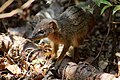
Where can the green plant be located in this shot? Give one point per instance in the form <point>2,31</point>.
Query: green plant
<point>114,4</point>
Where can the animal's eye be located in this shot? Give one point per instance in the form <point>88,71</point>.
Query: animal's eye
<point>41,32</point>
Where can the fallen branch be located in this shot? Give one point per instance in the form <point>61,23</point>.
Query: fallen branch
<point>5,5</point>
<point>13,12</point>
<point>19,10</point>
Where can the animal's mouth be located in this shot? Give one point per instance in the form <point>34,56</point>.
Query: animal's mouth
<point>37,37</point>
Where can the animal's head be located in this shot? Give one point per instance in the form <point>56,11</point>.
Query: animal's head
<point>44,29</point>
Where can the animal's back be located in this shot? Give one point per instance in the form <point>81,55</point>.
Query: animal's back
<point>74,25</point>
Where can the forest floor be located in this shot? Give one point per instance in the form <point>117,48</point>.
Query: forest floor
<point>22,59</point>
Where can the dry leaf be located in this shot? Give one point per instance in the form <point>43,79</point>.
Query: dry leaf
<point>2,64</point>
<point>14,69</point>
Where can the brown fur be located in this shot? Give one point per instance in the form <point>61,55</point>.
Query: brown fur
<point>69,29</point>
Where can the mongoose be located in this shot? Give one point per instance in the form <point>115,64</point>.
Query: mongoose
<point>70,29</point>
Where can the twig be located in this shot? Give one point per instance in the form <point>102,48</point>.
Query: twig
<point>5,5</point>
<point>102,44</point>
<point>109,27</point>
<point>115,22</point>
<point>13,12</point>
<point>19,10</point>
<point>27,4</point>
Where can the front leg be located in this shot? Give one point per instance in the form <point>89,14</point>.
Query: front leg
<point>54,50</point>
<point>62,55</point>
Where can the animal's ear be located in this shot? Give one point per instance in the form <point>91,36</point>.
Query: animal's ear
<point>53,25</point>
